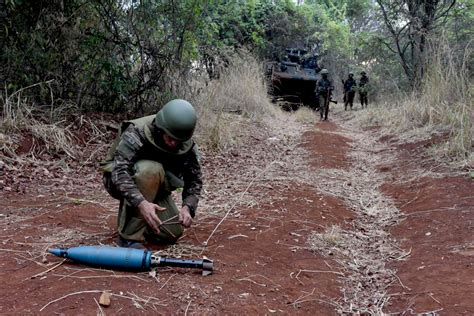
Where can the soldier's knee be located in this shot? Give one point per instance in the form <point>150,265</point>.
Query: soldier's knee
<point>149,169</point>
<point>149,177</point>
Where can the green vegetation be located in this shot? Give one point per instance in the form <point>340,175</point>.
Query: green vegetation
<point>64,57</point>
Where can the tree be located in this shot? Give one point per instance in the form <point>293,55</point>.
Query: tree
<point>410,22</point>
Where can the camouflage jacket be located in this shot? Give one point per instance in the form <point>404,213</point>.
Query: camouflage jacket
<point>349,85</point>
<point>134,145</point>
<point>324,87</point>
<point>363,81</point>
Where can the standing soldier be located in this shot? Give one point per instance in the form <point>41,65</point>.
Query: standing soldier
<point>153,156</point>
<point>363,88</point>
<point>349,91</point>
<point>323,91</point>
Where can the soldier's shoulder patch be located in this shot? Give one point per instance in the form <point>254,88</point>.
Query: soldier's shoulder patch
<point>130,143</point>
<point>132,137</point>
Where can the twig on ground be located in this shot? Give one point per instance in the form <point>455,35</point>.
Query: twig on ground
<point>238,235</point>
<point>403,255</point>
<point>437,301</point>
<point>315,271</point>
<point>67,295</point>
<point>100,308</point>
<point>300,299</point>
<point>150,300</point>
<point>187,307</point>
<point>11,250</point>
<point>44,272</point>
<point>202,291</point>
<point>252,281</point>
<point>135,298</point>
<point>166,281</point>
<point>409,202</point>
<point>400,281</point>
<point>84,201</point>
<point>444,209</point>
<point>237,201</point>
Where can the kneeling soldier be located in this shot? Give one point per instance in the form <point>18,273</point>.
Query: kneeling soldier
<point>153,156</point>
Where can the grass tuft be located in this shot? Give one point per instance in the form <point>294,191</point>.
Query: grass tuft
<point>305,115</point>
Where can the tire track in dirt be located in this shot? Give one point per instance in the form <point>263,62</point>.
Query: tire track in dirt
<point>365,249</point>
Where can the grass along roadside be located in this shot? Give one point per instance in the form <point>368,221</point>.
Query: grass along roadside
<point>442,109</point>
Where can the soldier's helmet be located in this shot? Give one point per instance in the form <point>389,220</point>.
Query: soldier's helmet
<point>177,119</point>
<point>363,73</point>
<point>324,71</point>
<point>351,73</point>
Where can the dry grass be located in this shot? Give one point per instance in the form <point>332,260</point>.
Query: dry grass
<point>19,116</point>
<point>239,94</point>
<point>54,138</point>
<point>444,108</point>
<point>180,250</point>
<point>305,115</point>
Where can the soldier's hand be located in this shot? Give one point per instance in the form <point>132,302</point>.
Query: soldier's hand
<point>148,211</point>
<point>185,216</point>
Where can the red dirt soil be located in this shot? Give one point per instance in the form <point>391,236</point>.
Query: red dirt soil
<point>438,228</point>
<point>257,256</point>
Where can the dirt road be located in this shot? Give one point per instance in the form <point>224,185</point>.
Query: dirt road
<point>330,219</point>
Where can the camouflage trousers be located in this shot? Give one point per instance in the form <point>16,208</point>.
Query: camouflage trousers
<point>323,106</point>
<point>363,98</point>
<point>156,185</point>
<point>349,99</point>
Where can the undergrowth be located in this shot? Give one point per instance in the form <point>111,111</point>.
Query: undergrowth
<point>238,95</point>
<point>237,98</point>
<point>443,108</point>
<point>45,124</point>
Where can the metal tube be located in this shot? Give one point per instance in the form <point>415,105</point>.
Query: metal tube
<point>205,264</point>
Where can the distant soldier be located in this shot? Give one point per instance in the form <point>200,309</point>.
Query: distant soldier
<point>349,91</point>
<point>363,88</point>
<point>323,92</point>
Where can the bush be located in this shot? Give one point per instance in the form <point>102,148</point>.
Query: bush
<point>238,94</point>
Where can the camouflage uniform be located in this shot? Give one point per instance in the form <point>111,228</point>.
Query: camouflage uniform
<point>363,89</point>
<point>324,89</point>
<point>139,167</point>
<point>349,92</point>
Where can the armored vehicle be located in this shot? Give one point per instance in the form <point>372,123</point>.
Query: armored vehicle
<point>294,78</point>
